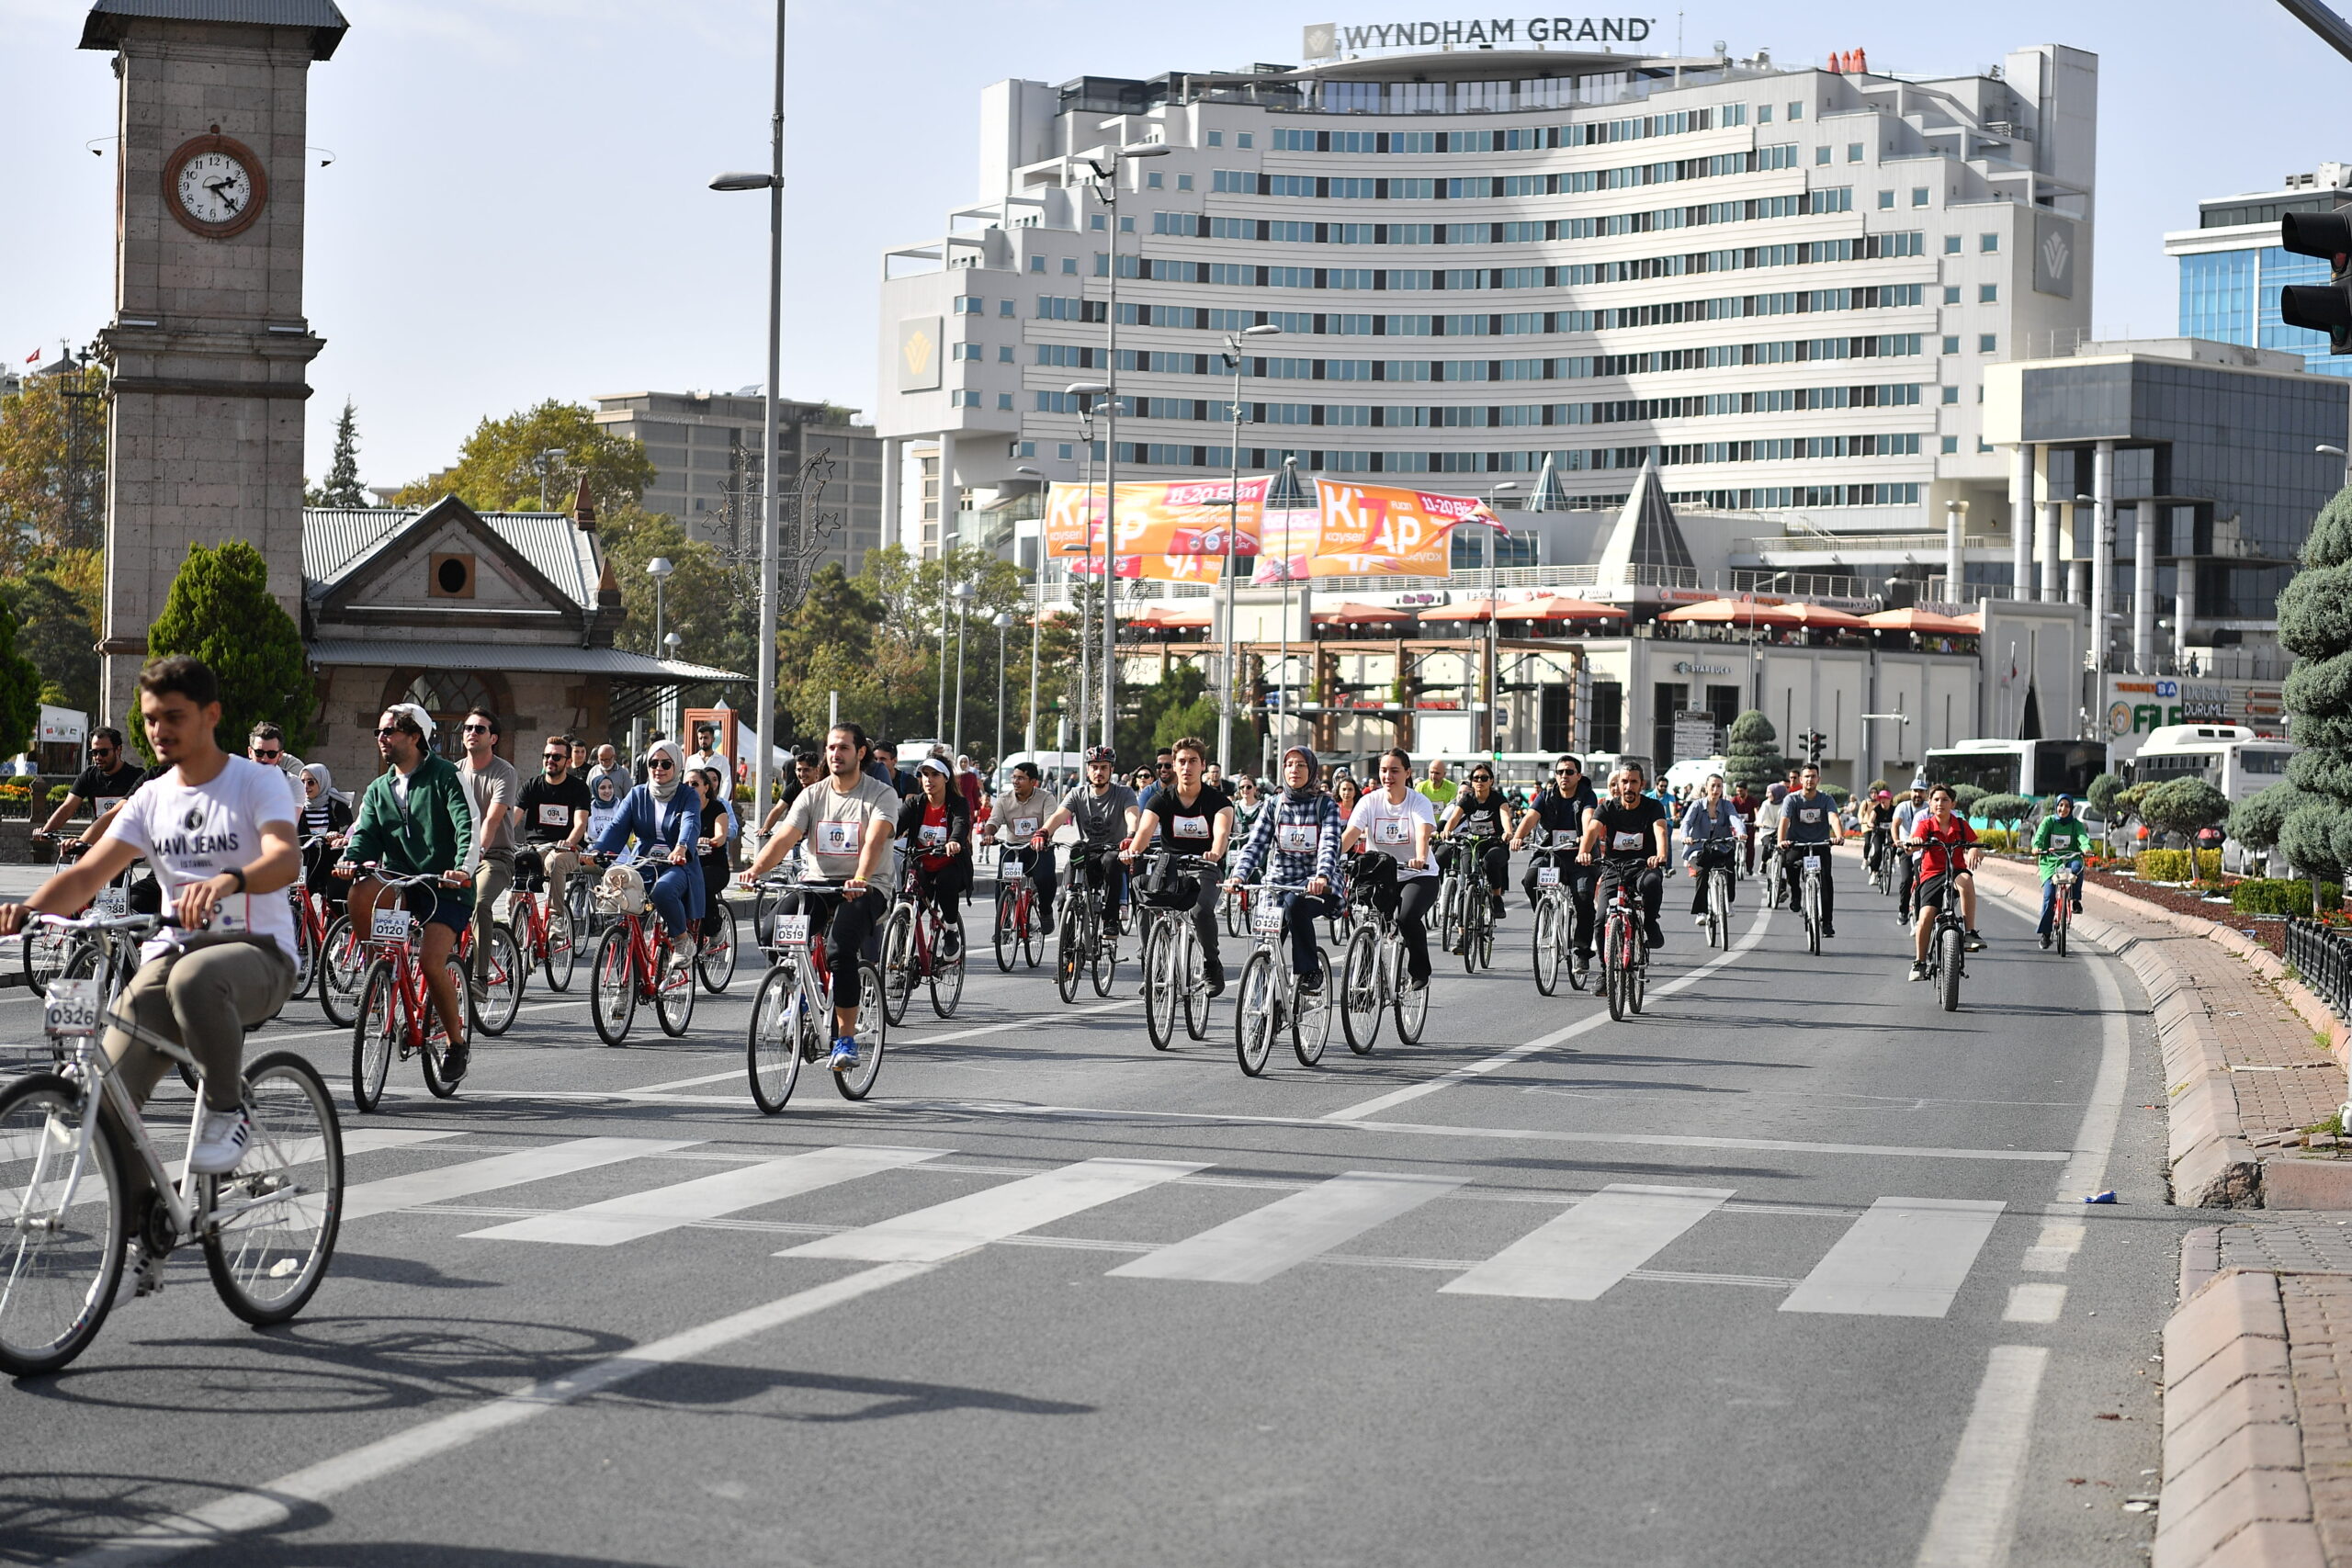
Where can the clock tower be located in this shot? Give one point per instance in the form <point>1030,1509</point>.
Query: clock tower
<point>208,349</point>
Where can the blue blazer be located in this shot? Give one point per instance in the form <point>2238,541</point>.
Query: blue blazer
<point>658,829</point>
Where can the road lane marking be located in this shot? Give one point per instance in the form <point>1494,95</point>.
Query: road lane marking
<point>465,1179</point>
<point>641,1214</point>
<point>1031,1021</point>
<point>1976,1513</point>
<point>1266,1241</point>
<point>943,1230</point>
<point>2085,1174</point>
<point>1905,1258</point>
<point>1378,1103</point>
<point>274,1503</point>
<point>1578,1255</point>
<point>2036,1300</point>
<point>2054,1248</point>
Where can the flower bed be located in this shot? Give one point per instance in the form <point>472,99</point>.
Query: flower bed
<point>2268,930</point>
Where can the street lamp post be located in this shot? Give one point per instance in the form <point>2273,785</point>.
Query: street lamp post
<point>962,595</point>
<point>1494,646</point>
<point>1037,632</point>
<point>938,713</point>
<point>1001,622</point>
<point>1233,358</point>
<point>764,759</point>
<point>677,719</point>
<point>1280,728</point>
<point>1106,190</point>
<point>659,568</point>
<point>548,458</point>
<point>1086,392</point>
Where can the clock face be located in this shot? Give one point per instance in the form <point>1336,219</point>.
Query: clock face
<point>215,185</point>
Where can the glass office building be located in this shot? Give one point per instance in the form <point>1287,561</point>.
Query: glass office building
<point>2232,267</point>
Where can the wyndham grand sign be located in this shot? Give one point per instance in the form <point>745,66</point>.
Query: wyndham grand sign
<point>1327,41</point>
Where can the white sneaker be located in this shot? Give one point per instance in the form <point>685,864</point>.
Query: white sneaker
<point>220,1142</point>
<point>143,1274</point>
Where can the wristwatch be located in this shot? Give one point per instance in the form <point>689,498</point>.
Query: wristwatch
<point>238,872</point>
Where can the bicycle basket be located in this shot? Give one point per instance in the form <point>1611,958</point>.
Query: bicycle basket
<point>620,892</point>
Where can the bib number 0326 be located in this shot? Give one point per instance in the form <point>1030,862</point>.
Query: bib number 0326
<point>69,1009</point>
<point>1266,919</point>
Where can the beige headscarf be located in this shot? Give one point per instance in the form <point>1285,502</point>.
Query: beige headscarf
<point>663,792</point>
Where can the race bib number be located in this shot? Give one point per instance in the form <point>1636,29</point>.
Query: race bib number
<point>113,902</point>
<point>1392,830</point>
<point>792,931</point>
<point>839,838</point>
<point>1813,863</point>
<point>553,815</point>
<point>1011,874</point>
<point>1190,827</point>
<point>1625,841</point>
<point>934,833</point>
<point>70,1007</point>
<point>1547,876</point>
<point>105,804</point>
<point>391,925</point>
<point>227,919</point>
<point>1025,827</point>
<point>1809,814</point>
<point>1296,837</point>
<point>1266,919</point>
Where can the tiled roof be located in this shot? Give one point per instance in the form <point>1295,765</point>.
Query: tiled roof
<point>103,27</point>
<point>535,658</point>
<point>337,542</point>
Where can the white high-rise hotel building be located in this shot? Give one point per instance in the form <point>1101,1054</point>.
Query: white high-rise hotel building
<point>1782,283</point>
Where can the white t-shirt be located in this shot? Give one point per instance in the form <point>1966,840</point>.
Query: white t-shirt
<point>188,834</point>
<point>1391,828</point>
<point>833,827</point>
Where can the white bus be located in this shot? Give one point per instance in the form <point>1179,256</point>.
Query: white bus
<point>2035,769</point>
<point>2230,756</point>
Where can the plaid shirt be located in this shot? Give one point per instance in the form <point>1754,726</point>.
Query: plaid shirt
<point>1319,812</point>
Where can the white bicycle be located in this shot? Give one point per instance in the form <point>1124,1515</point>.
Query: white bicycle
<point>1271,999</point>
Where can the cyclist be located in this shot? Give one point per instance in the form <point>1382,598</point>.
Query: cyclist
<point>327,817</point>
<point>1188,816</point>
<point>1438,786</point>
<point>806,770</point>
<point>847,818</point>
<point>1017,820</point>
<point>1875,817</point>
<point>711,848</point>
<point>1627,833</point>
<point>1301,829</point>
<point>1559,810</point>
<point>416,820</point>
<point>1396,822</point>
<point>2060,840</point>
<point>494,790</point>
<point>1809,824</point>
<point>1105,812</point>
<point>1247,801</point>
<point>664,815</point>
<point>605,797</point>
<point>554,809</point>
<point>1481,813</point>
<point>1907,813</point>
<point>102,786</point>
<point>1345,793</point>
<point>1712,833</point>
<point>938,821</point>
<point>219,832</point>
<point>1949,852</point>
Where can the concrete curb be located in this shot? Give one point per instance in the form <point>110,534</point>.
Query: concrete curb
<point>2234,1490</point>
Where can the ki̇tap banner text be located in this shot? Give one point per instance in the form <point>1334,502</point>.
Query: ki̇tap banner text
<point>1359,530</point>
<point>1178,519</point>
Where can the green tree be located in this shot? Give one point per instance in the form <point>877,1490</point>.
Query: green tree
<point>2005,810</point>
<point>498,469</point>
<point>38,478</point>
<point>342,487</point>
<point>220,610</point>
<point>1752,752</point>
<point>1965,796</point>
<point>1164,711</point>
<point>2255,820</point>
<point>53,630</point>
<point>2102,793</point>
<point>2315,625</point>
<point>2185,805</point>
<point>19,691</point>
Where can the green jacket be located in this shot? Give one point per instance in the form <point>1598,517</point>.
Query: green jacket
<point>436,833</point>
<point>2058,839</point>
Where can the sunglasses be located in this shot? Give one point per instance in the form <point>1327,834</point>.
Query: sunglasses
<point>661,764</point>
<point>1564,773</point>
<point>477,729</point>
<point>390,730</point>
<point>557,757</point>
<point>260,755</point>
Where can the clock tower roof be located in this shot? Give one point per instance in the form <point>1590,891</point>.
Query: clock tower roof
<point>108,20</point>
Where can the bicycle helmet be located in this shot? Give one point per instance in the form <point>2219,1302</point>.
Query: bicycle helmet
<point>1101,754</point>
<point>621,891</point>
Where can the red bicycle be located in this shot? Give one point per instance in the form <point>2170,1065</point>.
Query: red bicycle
<point>633,963</point>
<point>1016,907</point>
<point>540,925</point>
<point>397,1017</point>
<point>920,943</point>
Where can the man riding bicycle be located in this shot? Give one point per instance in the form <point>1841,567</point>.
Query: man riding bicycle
<point>1017,821</point>
<point>1908,812</point>
<point>416,820</point>
<point>494,790</point>
<point>1713,835</point>
<point>2060,838</point>
<point>1188,816</point>
<point>847,818</point>
<point>219,832</point>
<point>1809,825</point>
<point>1301,829</point>
<point>1396,824</point>
<point>555,821</point>
<point>1948,853</point>
<point>1558,809</point>
<point>1105,812</point>
<point>103,784</point>
<point>1627,834</point>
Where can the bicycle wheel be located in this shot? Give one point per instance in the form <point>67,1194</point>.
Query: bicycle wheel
<point>715,960</point>
<point>673,996</point>
<point>375,1035</point>
<point>1007,927</point>
<point>63,1251</point>
<point>1547,947</point>
<point>1719,909</point>
<point>2061,922</point>
<point>436,1041</point>
<point>1487,942</point>
<point>1103,964</point>
<point>306,955</point>
<point>1032,941</point>
<point>1413,1002</point>
<point>562,956</point>
<point>1192,970</point>
<point>1070,950</point>
<point>1310,1020</point>
<point>43,949</point>
<point>1159,982</point>
<point>1947,962</point>
<point>1237,913</point>
<point>1253,1016</point>
<point>1637,983</point>
<point>1612,970</point>
<point>777,1038</point>
<point>1361,1002</point>
<point>501,997</point>
<point>897,963</point>
<point>340,975</point>
<point>873,1030</point>
<point>274,1219</point>
<point>1475,914</point>
<point>1812,914</point>
<point>947,953</point>
<point>1449,915</point>
<point>612,997</point>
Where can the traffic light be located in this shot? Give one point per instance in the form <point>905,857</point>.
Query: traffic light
<point>1815,743</point>
<point>2322,308</point>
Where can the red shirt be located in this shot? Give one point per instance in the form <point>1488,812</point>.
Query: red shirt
<point>1943,844</point>
<point>933,831</point>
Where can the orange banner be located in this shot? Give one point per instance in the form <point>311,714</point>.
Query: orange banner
<point>1154,569</point>
<point>1179,518</point>
<point>1388,531</point>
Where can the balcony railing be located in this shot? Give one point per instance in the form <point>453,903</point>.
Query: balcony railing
<point>1922,542</point>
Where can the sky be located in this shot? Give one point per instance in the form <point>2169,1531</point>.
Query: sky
<point>517,211</point>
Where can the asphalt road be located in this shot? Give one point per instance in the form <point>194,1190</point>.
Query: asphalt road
<point>1792,1270</point>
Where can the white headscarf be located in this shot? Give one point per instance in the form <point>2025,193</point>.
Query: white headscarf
<point>663,792</point>
<point>326,782</point>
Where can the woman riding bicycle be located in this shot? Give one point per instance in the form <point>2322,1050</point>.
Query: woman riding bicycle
<point>938,822</point>
<point>2060,840</point>
<point>326,817</point>
<point>711,846</point>
<point>665,813</point>
<point>1395,825</point>
<point>1300,828</point>
<point>1712,836</point>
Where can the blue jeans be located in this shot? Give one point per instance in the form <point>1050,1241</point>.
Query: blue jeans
<point>2050,898</point>
<point>676,894</point>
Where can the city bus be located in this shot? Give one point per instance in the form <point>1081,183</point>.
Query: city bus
<point>2034,769</point>
<point>2230,756</point>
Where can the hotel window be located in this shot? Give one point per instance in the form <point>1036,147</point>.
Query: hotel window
<point>1796,111</point>
<point>1988,294</point>
<point>1183,182</point>
<point>1950,444</point>
<point>1036,264</point>
<point>1951,344</point>
<point>1988,241</point>
<point>1004,354</point>
<point>968,305</point>
<point>1126,225</point>
<point>1952,244</point>
<point>1004,307</point>
<point>1885,199</point>
<point>1853,152</point>
<point>1217,138</point>
<point>1154,181</point>
<point>1004,400</point>
<point>1985,343</point>
<point>1951,394</point>
<point>1821,154</point>
<point>1068,449</point>
<point>1763,114</point>
<point>1951,293</point>
<point>1095,222</point>
<point>1243,138</point>
<point>1919,196</point>
<point>1069,265</point>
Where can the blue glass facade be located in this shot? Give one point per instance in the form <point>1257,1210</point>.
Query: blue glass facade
<point>2232,297</point>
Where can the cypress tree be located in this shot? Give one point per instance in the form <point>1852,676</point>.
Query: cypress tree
<point>220,610</point>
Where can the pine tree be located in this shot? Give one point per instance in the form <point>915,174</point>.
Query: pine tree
<point>1752,752</point>
<point>2315,625</point>
<point>220,610</point>
<point>342,487</point>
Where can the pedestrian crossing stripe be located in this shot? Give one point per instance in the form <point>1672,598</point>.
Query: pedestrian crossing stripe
<point>1903,1258</point>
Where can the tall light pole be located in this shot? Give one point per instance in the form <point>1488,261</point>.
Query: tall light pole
<point>1288,481</point>
<point>1036,634</point>
<point>1235,361</point>
<point>545,460</point>
<point>659,568</point>
<point>939,714</point>
<point>763,764</point>
<point>962,595</point>
<point>1106,190</point>
<point>1086,392</point>
<point>1494,647</point>
<point>1001,622</point>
